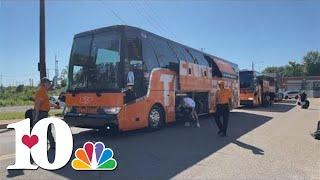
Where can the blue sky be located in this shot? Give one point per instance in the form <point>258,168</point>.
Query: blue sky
<point>269,32</point>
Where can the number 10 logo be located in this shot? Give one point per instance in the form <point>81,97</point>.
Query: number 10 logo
<point>34,143</point>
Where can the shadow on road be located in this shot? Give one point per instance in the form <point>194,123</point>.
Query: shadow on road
<point>283,106</point>
<point>167,152</point>
<point>254,149</point>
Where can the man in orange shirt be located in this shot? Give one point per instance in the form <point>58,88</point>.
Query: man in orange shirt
<point>42,106</point>
<point>223,101</point>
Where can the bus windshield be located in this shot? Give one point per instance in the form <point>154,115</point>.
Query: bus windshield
<point>246,80</point>
<point>95,63</point>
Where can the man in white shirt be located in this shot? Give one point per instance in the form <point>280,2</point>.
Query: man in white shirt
<point>190,113</point>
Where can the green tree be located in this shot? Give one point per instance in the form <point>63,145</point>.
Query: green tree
<point>311,63</point>
<point>294,69</point>
<point>274,69</point>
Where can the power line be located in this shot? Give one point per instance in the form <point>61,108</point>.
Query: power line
<point>141,23</point>
<point>153,20</point>
<point>145,17</point>
<point>159,19</point>
<point>113,12</point>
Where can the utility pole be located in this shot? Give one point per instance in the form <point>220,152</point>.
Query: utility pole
<point>55,78</point>
<point>56,66</point>
<point>48,73</point>
<point>252,66</point>
<point>253,63</point>
<point>42,41</point>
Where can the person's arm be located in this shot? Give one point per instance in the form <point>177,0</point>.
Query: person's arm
<point>195,115</point>
<point>217,97</point>
<point>37,109</point>
<point>230,100</point>
<point>56,106</point>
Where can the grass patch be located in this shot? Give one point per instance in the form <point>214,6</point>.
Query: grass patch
<point>20,95</point>
<point>20,115</point>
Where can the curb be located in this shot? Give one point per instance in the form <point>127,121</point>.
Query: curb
<point>3,126</point>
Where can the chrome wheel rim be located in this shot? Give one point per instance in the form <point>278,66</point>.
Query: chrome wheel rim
<point>154,117</point>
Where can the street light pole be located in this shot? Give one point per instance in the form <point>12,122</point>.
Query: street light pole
<point>252,66</point>
<point>254,63</point>
<point>42,41</point>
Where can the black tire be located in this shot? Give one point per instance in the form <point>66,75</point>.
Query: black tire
<point>156,118</point>
<point>251,105</point>
<point>297,97</point>
<point>286,97</point>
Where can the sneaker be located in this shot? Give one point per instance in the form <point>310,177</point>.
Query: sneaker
<point>187,124</point>
<point>198,125</point>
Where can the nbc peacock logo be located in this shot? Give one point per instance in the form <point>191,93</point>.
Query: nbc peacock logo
<point>94,157</point>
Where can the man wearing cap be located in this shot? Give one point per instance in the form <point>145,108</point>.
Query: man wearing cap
<point>223,101</point>
<point>42,106</point>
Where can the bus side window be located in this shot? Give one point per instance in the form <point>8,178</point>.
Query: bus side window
<point>215,69</point>
<point>191,55</point>
<point>137,68</point>
<point>199,57</point>
<point>164,53</point>
<point>149,56</point>
<point>180,55</point>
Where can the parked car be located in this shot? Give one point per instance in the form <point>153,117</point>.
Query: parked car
<point>279,96</point>
<point>55,100</point>
<point>291,94</point>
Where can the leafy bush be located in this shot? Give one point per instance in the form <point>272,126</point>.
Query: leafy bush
<point>19,88</point>
<point>20,95</point>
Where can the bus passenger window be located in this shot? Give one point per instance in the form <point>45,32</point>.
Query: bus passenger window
<point>149,56</point>
<point>137,67</point>
<point>163,52</point>
<point>191,55</point>
<point>134,49</point>
<point>199,57</point>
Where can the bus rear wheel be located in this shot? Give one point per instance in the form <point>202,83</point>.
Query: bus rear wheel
<point>155,118</point>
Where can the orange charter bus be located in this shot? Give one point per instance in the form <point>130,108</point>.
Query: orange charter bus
<point>256,88</point>
<point>127,78</point>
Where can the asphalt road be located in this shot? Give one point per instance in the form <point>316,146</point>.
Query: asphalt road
<point>262,143</point>
<point>15,108</point>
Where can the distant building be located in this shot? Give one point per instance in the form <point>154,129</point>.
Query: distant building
<point>310,84</point>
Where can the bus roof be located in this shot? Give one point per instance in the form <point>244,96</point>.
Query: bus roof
<point>126,27</point>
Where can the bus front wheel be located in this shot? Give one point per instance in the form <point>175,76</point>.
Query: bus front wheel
<point>155,118</point>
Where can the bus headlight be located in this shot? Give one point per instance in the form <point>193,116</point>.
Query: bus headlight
<point>111,110</point>
<point>251,99</point>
